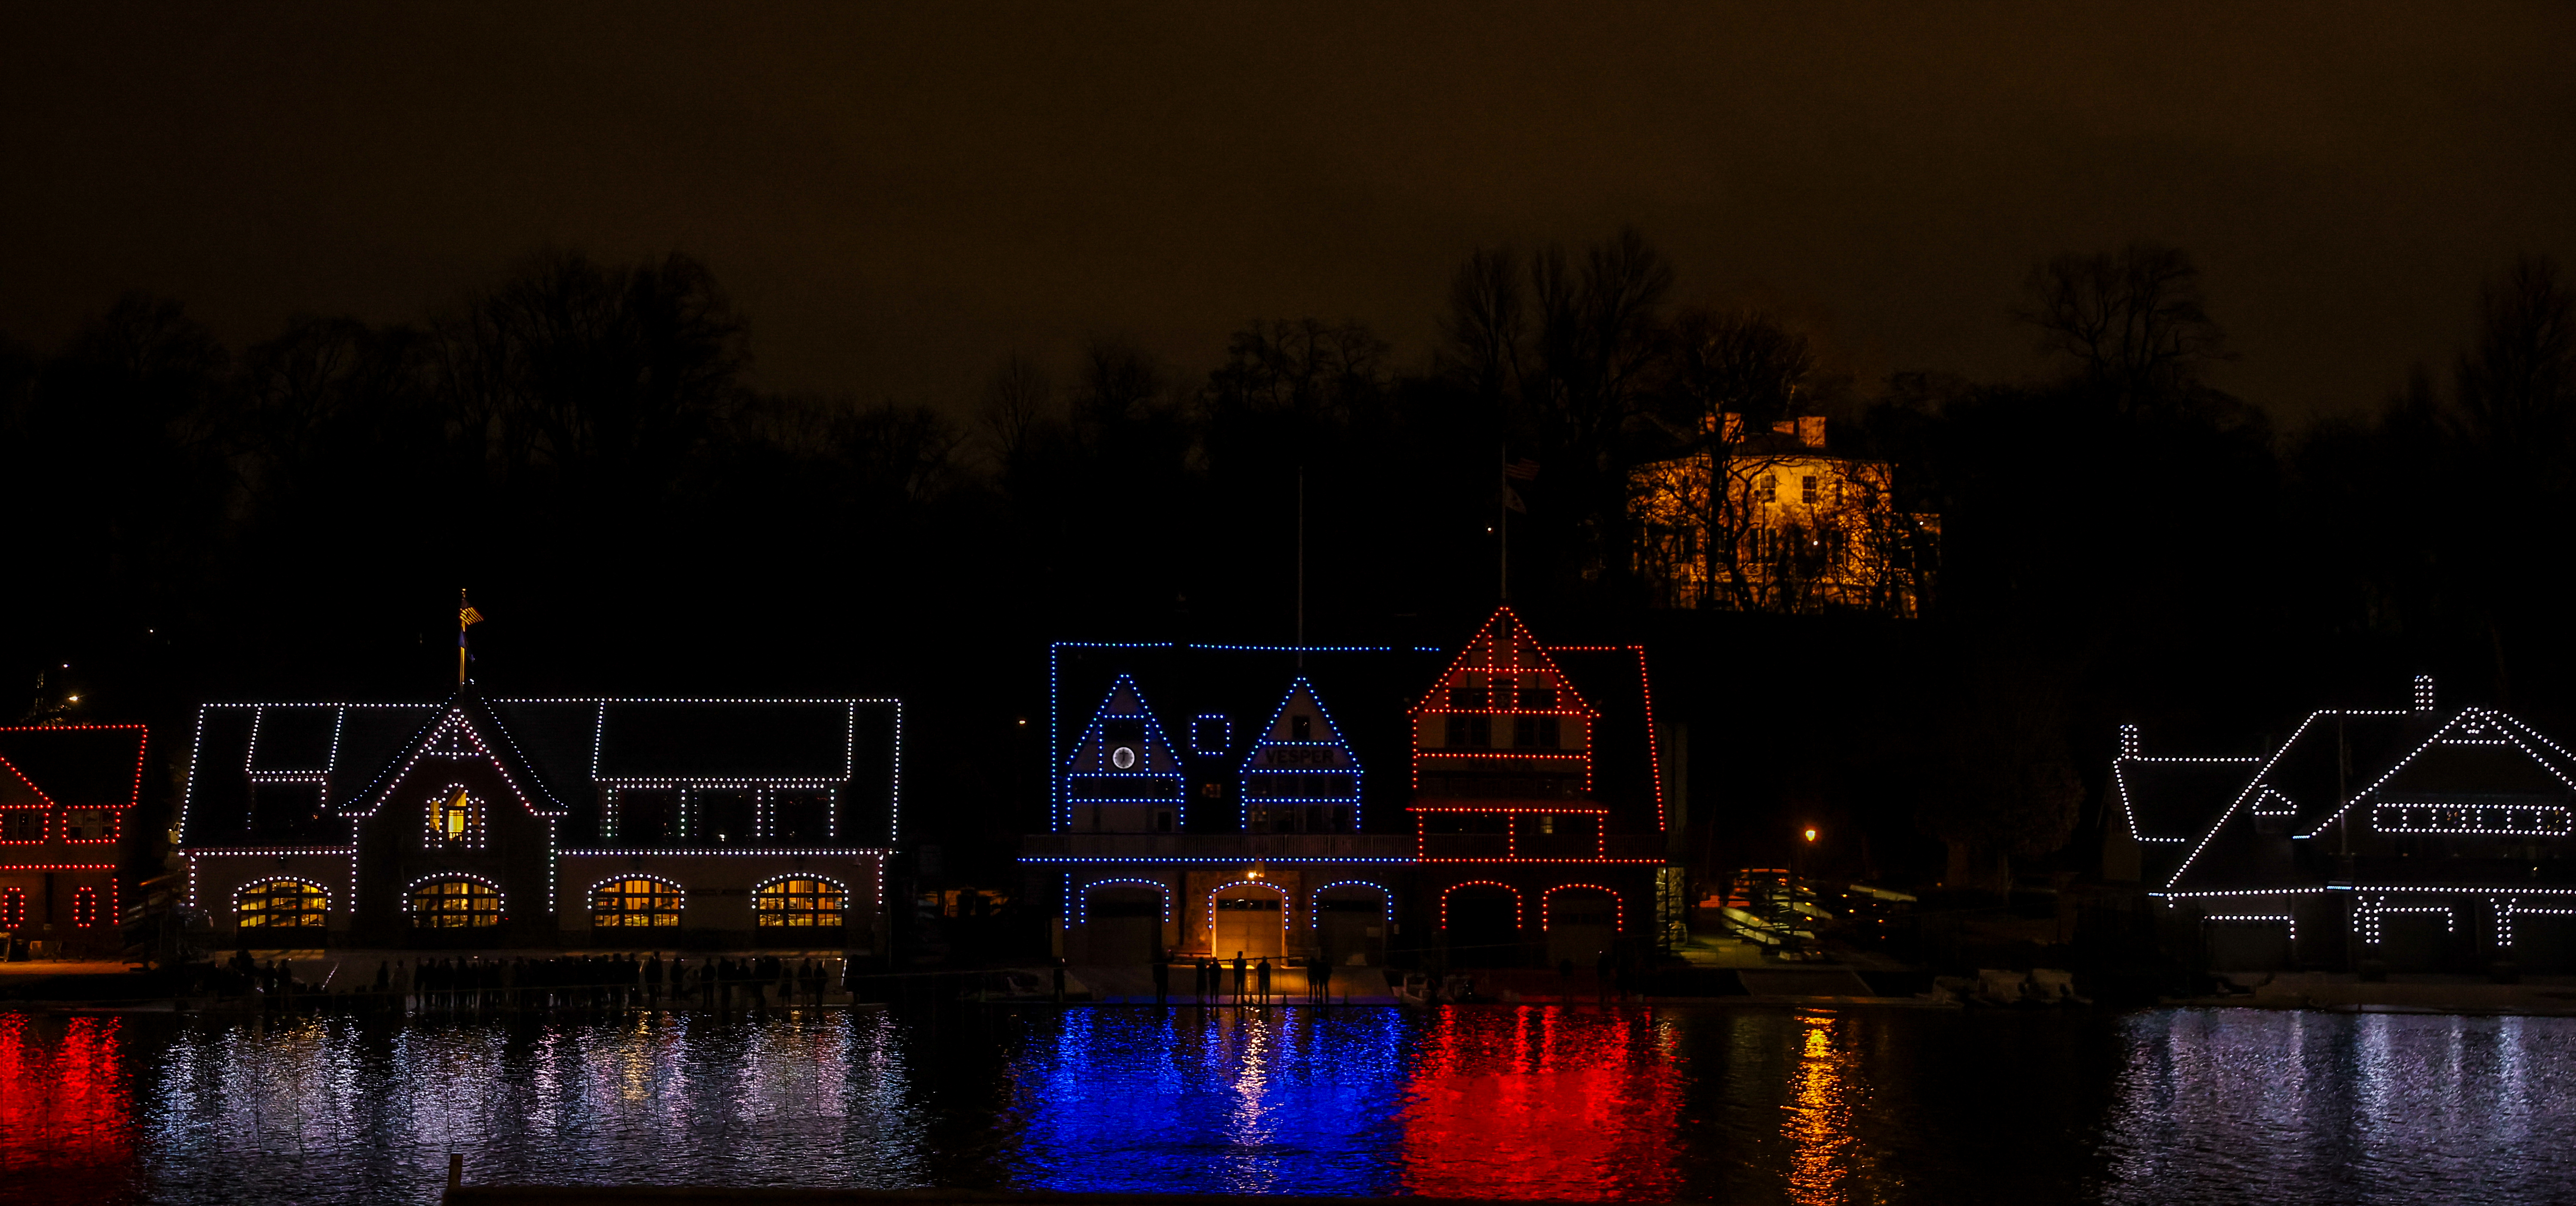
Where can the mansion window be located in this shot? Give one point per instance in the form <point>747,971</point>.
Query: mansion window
<point>1769,487</point>
<point>22,825</point>
<point>798,902</point>
<point>1534,731</point>
<point>455,904</point>
<point>281,903</point>
<point>85,907</point>
<point>13,909</point>
<point>635,901</point>
<point>1807,490</point>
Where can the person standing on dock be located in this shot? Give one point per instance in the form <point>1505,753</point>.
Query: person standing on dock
<point>1263,981</point>
<point>1238,977</point>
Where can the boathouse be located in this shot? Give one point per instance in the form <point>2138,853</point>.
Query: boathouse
<point>66,791</point>
<point>474,823</point>
<point>2404,840</point>
<point>1502,803</point>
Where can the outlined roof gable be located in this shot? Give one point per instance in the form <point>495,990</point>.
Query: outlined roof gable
<point>1505,646</point>
<point>1284,766</point>
<point>463,729</point>
<point>2476,751</point>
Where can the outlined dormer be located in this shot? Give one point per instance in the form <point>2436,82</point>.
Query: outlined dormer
<point>1503,722</point>
<point>1301,776</point>
<point>1123,775</point>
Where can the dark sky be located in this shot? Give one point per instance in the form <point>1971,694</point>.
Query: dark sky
<point>896,199</point>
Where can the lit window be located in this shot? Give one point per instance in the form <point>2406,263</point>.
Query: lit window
<point>22,825</point>
<point>1807,490</point>
<point>798,902</point>
<point>635,902</point>
<point>85,907</point>
<point>455,904</point>
<point>1769,487</point>
<point>13,909</point>
<point>453,818</point>
<point>281,903</point>
<point>88,825</point>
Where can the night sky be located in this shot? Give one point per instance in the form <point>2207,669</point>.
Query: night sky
<point>896,199</point>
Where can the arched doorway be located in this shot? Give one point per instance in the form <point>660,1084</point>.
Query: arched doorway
<point>1350,921</point>
<point>1122,922</point>
<point>1480,923</point>
<point>1582,921</point>
<point>1251,917</point>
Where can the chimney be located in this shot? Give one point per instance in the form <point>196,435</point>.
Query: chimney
<point>1811,430</point>
<point>2423,692</point>
<point>2128,741</point>
<point>1734,427</point>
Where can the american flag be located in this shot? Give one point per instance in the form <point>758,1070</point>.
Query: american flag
<point>1522,470</point>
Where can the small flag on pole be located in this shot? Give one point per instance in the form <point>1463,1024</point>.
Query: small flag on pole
<point>1522,470</point>
<point>466,617</point>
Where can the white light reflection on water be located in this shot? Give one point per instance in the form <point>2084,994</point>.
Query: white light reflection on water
<point>2273,1106</point>
<point>329,1111</point>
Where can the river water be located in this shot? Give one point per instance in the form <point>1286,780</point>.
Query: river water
<point>1709,1104</point>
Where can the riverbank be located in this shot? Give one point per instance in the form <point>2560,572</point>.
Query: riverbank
<point>2538,996</point>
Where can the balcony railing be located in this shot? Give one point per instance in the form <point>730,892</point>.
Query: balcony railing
<point>1216,845</point>
<point>1256,846</point>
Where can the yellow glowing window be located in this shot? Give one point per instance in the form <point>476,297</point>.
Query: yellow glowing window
<point>453,819</point>
<point>635,902</point>
<point>804,902</point>
<point>281,903</point>
<point>455,904</point>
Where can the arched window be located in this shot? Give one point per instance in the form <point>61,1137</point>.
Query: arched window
<point>277,903</point>
<point>455,904</point>
<point>799,901</point>
<point>13,909</point>
<point>635,901</point>
<point>85,906</point>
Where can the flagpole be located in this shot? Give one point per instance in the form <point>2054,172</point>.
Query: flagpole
<point>1503,523</point>
<point>1301,566</point>
<point>460,636</point>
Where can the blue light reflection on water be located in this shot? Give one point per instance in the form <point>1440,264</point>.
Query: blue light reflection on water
<point>1725,1105</point>
<point>1281,1102</point>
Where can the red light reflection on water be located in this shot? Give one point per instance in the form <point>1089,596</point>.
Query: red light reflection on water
<point>65,1107</point>
<point>1541,1103</point>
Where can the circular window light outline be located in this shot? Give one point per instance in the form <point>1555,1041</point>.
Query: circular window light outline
<point>1124,757</point>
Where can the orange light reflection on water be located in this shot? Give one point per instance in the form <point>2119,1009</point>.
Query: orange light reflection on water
<point>1827,1085</point>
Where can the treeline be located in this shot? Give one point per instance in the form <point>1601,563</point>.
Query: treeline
<point>584,445</point>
